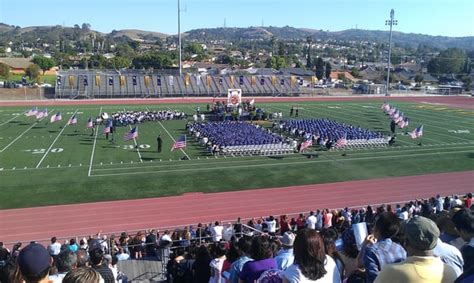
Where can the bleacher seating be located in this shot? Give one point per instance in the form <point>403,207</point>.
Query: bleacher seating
<point>72,85</point>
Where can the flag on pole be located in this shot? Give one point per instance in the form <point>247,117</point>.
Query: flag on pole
<point>180,143</point>
<point>122,80</point>
<point>90,124</point>
<point>306,144</point>
<point>56,118</point>
<point>97,80</point>
<point>72,120</point>
<point>342,142</point>
<point>416,133</point>
<point>108,126</point>
<point>133,134</point>
<point>32,112</point>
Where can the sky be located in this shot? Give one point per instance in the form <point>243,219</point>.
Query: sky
<point>433,17</point>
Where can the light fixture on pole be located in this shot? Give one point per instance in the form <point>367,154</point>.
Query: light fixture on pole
<point>390,23</point>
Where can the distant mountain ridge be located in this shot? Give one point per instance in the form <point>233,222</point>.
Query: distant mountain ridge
<point>254,33</point>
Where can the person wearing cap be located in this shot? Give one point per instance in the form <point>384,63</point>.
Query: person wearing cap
<point>65,262</point>
<point>98,263</point>
<point>421,237</point>
<point>34,263</point>
<point>285,257</point>
<point>378,249</point>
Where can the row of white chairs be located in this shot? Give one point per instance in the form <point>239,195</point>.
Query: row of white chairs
<point>364,143</point>
<point>264,149</point>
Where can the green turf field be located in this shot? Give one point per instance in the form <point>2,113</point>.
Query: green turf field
<point>45,164</point>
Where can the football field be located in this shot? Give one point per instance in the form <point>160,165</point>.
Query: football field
<point>43,163</point>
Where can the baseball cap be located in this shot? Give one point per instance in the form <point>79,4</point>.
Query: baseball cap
<point>33,259</point>
<point>422,233</point>
<point>288,239</point>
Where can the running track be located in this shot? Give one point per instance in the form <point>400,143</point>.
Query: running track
<point>40,223</point>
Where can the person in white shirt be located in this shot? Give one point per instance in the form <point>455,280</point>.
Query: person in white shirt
<point>54,248</point>
<point>271,225</point>
<point>216,232</point>
<point>311,221</point>
<point>311,263</point>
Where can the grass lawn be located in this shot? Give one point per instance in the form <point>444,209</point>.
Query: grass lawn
<point>46,164</point>
<point>50,79</point>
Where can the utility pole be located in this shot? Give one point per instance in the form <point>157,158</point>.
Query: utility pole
<point>390,23</point>
<point>179,37</point>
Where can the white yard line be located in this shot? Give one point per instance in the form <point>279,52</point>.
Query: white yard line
<point>173,139</point>
<point>282,163</point>
<point>12,119</point>
<point>27,130</point>
<point>135,141</point>
<point>93,147</point>
<point>51,146</point>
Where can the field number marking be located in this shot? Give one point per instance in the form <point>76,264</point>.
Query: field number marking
<point>43,150</point>
<point>131,146</point>
<point>459,131</point>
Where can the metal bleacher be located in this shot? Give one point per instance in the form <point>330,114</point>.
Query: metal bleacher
<point>107,84</point>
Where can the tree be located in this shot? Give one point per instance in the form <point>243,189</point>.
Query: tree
<point>33,72</point>
<point>355,72</point>
<point>86,27</point>
<point>194,48</point>
<point>418,79</point>
<point>118,62</point>
<point>319,68</point>
<point>4,71</point>
<point>276,62</point>
<point>328,70</point>
<point>309,63</point>
<point>44,63</point>
<point>467,81</point>
<point>449,61</point>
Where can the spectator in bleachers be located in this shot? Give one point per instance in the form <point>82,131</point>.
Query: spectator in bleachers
<point>311,262</point>
<point>34,263</point>
<point>329,239</point>
<point>138,247</point>
<point>468,201</point>
<point>271,225</point>
<point>217,231</point>
<point>421,236</point>
<point>123,242</point>
<point>83,244</point>
<point>464,221</point>
<point>82,258</point>
<point>98,263</point>
<point>238,227</point>
<point>121,255</point>
<point>73,245</point>
<point>284,224</point>
<point>349,251</point>
<point>284,256</point>
<point>300,222</point>
<point>64,262</point>
<point>219,251</point>
<point>378,249</point>
<point>16,250</point>
<point>151,242</point>
<point>327,218</point>
<point>311,221</point>
<point>54,248</point>
<point>449,255</point>
<point>201,268</point>
<point>262,260</point>
<point>83,275</point>
<point>243,247</point>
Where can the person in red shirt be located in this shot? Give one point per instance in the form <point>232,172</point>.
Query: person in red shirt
<point>284,224</point>
<point>301,222</point>
<point>468,201</point>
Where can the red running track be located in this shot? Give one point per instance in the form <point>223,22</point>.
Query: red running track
<point>41,223</point>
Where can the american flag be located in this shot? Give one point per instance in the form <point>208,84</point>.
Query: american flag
<point>342,142</point>
<point>133,134</point>
<point>32,112</point>
<point>56,118</point>
<point>306,144</point>
<point>417,133</point>
<point>72,120</point>
<point>108,126</point>
<point>89,124</point>
<point>179,143</point>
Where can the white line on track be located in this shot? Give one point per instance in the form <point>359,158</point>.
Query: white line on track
<point>57,137</point>
<point>280,164</point>
<point>93,147</point>
<point>12,119</point>
<point>27,130</point>
<point>135,141</point>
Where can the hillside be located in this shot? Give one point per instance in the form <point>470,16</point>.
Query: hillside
<point>138,35</point>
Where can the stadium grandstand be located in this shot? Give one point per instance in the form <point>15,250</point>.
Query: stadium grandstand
<point>140,84</point>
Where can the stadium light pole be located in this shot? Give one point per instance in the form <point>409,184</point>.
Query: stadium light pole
<point>179,37</point>
<point>390,23</point>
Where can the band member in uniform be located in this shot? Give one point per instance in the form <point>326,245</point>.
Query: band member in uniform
<point>159,142</point>
<point>291,112</point>
<point>296,112</point>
